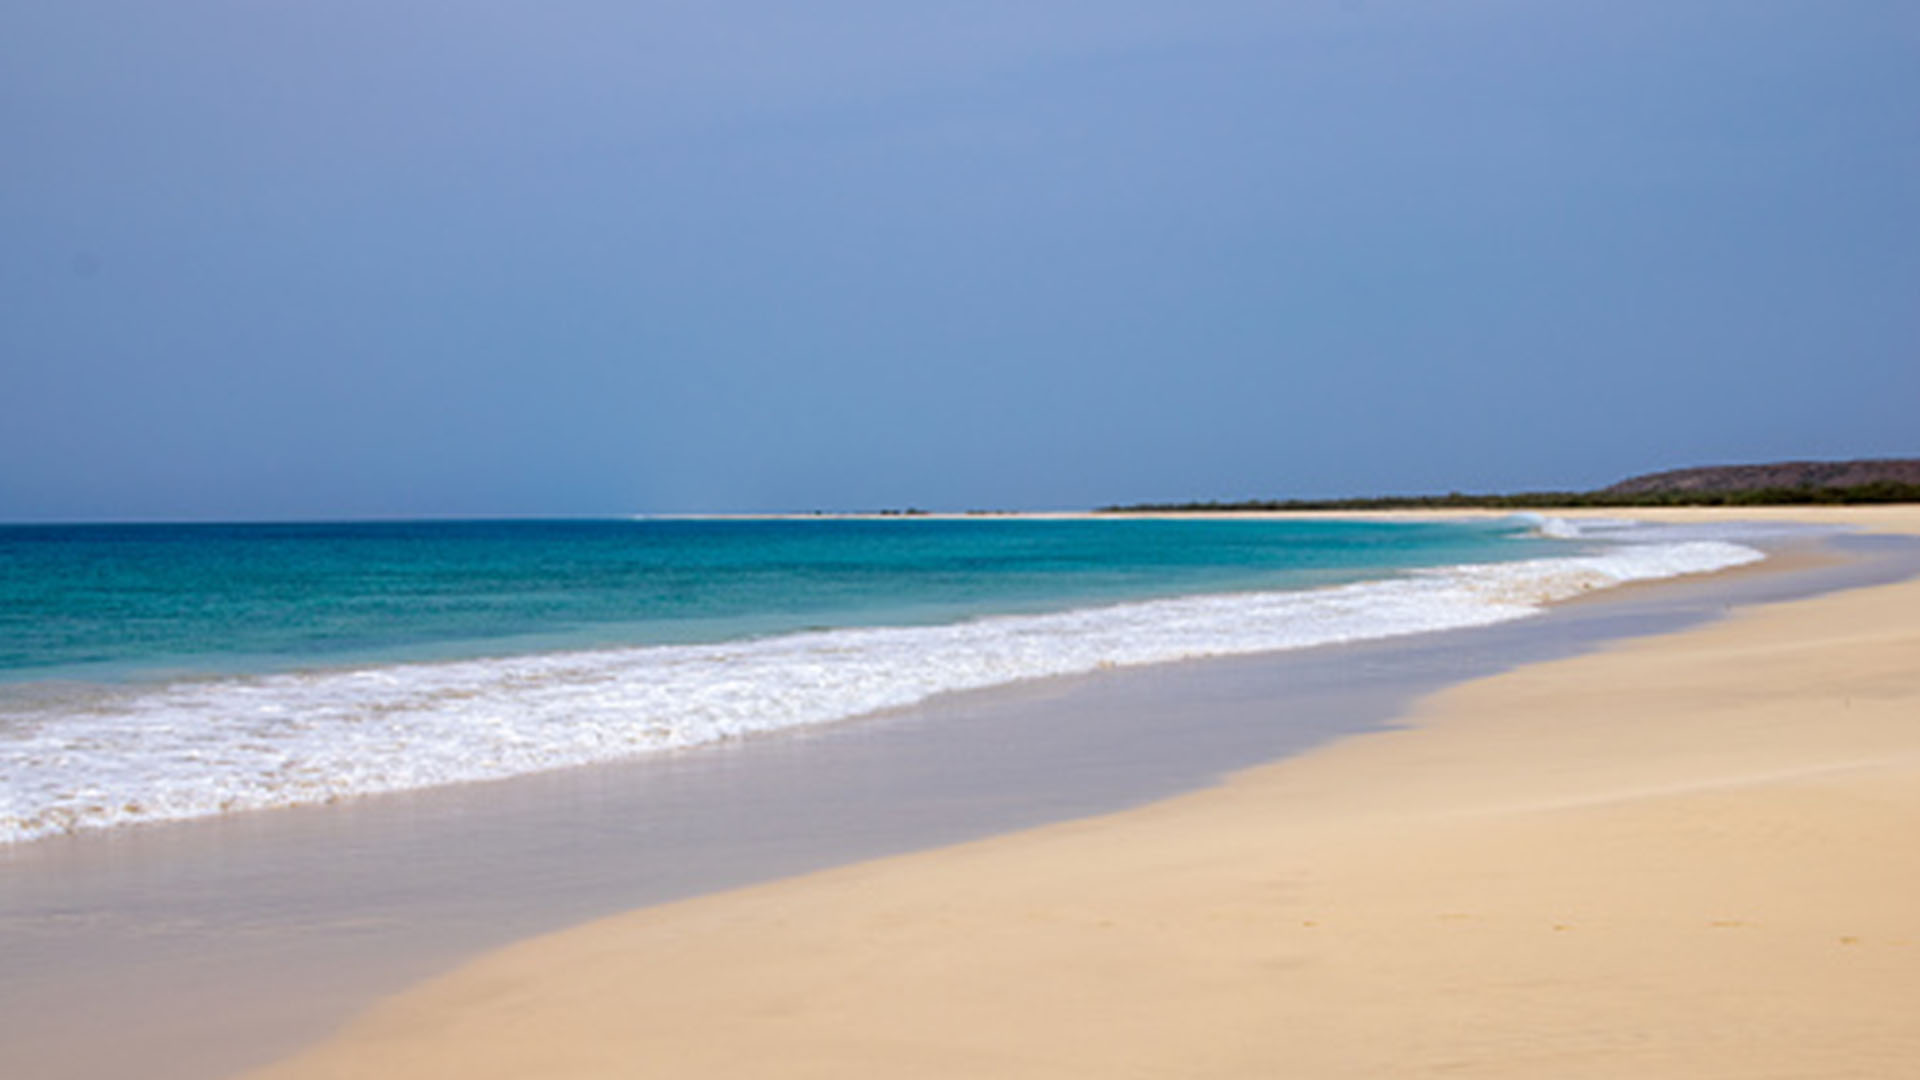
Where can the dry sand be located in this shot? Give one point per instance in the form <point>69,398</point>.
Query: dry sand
<point>1695,855</point>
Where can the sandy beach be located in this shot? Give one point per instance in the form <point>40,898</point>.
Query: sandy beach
<point>1687,855</point>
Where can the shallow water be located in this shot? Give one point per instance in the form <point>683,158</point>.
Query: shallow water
<point>134,697</point>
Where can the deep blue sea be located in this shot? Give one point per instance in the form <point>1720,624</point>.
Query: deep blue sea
<point>154,672</point>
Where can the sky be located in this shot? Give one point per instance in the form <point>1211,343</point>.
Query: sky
<point>477,257</point>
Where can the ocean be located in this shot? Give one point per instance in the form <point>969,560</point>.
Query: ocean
<point>165,672</point>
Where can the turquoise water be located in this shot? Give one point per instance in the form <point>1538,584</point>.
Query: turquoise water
<point>114,602</point>
<point>154,673</point>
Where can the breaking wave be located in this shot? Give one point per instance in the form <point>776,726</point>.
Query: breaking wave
<point>197,748</point>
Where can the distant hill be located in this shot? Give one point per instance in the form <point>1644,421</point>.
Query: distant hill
<point>1781,475</point>
<point>1880,480</point>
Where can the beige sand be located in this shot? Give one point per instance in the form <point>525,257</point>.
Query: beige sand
<point>1695,855</point>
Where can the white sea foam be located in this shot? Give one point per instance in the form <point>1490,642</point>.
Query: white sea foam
<point>194,749</point>
<point>1551,527</point>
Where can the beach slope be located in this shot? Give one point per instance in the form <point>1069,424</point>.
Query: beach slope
<point>1691,855</point>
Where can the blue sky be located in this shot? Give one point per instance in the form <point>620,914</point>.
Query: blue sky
<point>368,259</point>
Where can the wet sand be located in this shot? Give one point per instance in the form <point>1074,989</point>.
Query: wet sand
<point>1687,854</point>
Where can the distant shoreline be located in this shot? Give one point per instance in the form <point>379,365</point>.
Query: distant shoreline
<point>1862,495</point>
<point>1782,483</point>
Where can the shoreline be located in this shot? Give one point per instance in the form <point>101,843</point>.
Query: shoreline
<point>1291,900</point>
<point>1804,512</point>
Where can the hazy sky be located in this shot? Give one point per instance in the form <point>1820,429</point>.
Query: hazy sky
<point>352,258</point>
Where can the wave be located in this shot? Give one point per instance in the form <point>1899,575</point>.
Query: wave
<point>195,749</point>
<point>1556,528</point>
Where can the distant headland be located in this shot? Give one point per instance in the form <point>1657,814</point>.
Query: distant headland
<point>1785,483</point>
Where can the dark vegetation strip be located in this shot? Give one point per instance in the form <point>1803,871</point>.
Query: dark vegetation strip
<point>1882,492</point>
